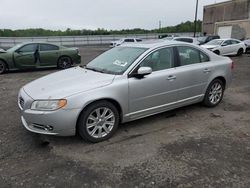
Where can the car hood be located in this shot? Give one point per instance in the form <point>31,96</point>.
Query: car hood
<point>65,83</point>
<point>209,46</point>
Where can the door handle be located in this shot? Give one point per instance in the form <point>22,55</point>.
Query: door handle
<point>171,77</point>
<point>206,70</point>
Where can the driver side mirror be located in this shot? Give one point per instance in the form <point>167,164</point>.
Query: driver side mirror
<point>224,44</point>
<point>142,71</point>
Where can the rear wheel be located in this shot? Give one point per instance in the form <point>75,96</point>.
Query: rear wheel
<point>64,62</point>
<point>98,122</point>
<point>214,93</point>
<point>3,67</point>
<point>240,52</point>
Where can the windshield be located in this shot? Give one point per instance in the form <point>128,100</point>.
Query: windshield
<point>14,48</point>
<point>202,39</point>
<point>215,42</point>
<point>116,60</point>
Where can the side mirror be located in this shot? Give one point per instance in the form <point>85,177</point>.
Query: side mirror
<point>224,44</point>
<point>143,71</point>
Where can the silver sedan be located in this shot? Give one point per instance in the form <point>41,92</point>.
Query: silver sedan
<point>123,84</point>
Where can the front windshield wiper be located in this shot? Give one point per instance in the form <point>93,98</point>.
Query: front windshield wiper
<point>100,70</point>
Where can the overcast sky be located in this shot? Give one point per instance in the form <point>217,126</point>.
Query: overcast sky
<point>93,14</point>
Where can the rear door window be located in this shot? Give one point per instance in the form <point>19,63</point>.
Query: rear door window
<point>48,47</point>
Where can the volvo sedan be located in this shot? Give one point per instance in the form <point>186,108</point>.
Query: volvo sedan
<point>123,84</point>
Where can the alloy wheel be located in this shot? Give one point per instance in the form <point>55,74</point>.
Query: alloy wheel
<point>215,93</point>
<point>100,122</point>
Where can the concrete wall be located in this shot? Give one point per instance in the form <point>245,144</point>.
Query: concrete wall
<point>222,13</point>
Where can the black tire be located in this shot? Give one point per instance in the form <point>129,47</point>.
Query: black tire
<point>240,52</point>
<point>64,62</point>
<point>89,113</point>
<point>217,52</point>
<point>211,94</point>
<point>3,67</point>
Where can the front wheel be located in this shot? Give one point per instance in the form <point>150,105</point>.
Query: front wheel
<point>2,67</point>
<point>214,93</point>
<point>64,62</point>
<point>98,122</point>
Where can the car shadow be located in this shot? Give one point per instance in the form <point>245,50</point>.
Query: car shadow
<point>125,131</point>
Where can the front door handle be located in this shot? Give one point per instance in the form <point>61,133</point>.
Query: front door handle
<point>206,70</point>
<point>171,77</point>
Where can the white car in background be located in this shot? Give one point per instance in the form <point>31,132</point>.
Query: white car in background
<point>226,46</point>
<point>124,40</point>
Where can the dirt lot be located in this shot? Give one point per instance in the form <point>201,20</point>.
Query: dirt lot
<point>189,147</point>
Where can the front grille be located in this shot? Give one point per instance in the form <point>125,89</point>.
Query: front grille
<point>21,102</point>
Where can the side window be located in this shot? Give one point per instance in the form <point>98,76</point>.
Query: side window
<point>48,47</point>
<point>235,42</point>
<point>185,40</point>
<point>28,48</point>
<point>227,42</point>
<point>138,40</point>
<point>129,40</point>
<point>159,60</point>
<point>190,56</point>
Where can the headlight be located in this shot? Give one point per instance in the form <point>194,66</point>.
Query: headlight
<point>48,105</point>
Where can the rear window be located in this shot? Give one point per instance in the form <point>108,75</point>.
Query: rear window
<point>185,40</point>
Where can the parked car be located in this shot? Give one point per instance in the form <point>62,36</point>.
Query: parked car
<point>124,40</point>
<point>247,44</point>
<point>206,39</point>
<point>38,55</point>
<point>123,84</point>
<point>187,39</point>
<point>226,46</point>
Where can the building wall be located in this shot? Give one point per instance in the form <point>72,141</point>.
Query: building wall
<point>223,13</point>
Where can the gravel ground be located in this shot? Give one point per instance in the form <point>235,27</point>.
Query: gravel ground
<point>192,146</point>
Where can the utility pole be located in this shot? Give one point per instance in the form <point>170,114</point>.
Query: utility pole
<point>160,25</point>
<point>195,21</point>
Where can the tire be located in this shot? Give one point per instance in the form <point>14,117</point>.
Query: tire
<point>214,93</point>
<point>217,52</point>
<point>3,67</point>
<point>98,129</point>
<point>240,52</point>
<point>64,62</point>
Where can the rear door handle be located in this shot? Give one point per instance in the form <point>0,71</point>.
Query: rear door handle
<point>206,70</point>
<point>171,77</point>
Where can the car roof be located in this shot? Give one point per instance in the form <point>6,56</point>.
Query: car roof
<point>155,44</point>
<point>37,42</point>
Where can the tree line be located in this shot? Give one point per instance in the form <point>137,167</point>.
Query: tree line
<point>182,27</point>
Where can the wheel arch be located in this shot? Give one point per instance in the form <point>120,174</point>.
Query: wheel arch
<point>64,55</point>
<point>7,65</point>
<point>113,101</point>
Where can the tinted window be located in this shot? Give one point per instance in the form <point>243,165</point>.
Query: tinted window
<point>235,42</point>
<point>190,56</point>
<point>227,42</point>
<point>159,60</point>
<point>185,40</point>
<point>28,48</point>
<point>48,47</point>
<point>138,40</point>
<point>129,40</point>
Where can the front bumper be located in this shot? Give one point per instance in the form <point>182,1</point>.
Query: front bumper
<point>61,122</point>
